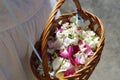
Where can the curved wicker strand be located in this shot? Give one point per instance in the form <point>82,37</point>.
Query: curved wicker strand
<point>45,36</point>
<point>52,17</point>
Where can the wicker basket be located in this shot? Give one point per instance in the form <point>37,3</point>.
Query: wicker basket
<point>41,45</point>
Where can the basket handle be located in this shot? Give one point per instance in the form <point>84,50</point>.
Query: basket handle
<point>46,32</point>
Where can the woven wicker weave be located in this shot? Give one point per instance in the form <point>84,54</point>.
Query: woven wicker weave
<point>41,46</point>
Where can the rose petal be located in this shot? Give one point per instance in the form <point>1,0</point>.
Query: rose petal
<point>79,58</point>
<point>66,65</point>
<point>65,54</point>
<point>91,53</point>
<point>75,49</point>
<point>70,49</point>
<point>88,48</point>
<point>81,42</point>
<point>76,61</point>
<point>69,72</point>
<point>82,59</point>
<point>61,30</point>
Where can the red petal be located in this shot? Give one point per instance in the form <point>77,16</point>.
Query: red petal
<point>76,61</point>
<point>65,54</point>
<point>81,42</point>
<point>76,49</point>
<point>88,49</point>
<point>69,72</point>
<point>70,50</point>
<point>79,59</point>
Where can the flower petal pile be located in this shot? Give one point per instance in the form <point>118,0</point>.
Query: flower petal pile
<point>73,44</point>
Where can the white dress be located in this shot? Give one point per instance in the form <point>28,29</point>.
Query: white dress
<point>14,49</point>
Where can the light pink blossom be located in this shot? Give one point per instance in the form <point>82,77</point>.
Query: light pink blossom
<point>79,58</point>
<point>88,50</point>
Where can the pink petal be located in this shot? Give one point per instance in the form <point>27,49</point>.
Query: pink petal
<point>79,59</point>
<point>91,53</point>
<point>65,54</point>
<point>69,72</point>
<point>70,50</point>
<point>76,61</point>
<point>88,48</point>
<point>61,30</point>
<point>72,60</point>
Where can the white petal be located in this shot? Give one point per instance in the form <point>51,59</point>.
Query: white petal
<point>92,45</point>
<point>87,22</point>
<point>51,51</point>
<point>87,40</point>
<point>80,57</point>
<point>73,19</point>
<point>57,62</point>
<point>78,23</point>
<point>66,65</point>
<point>96,39</point>
<point>84,26</point>
<point>91,33</point>
<point>65,25</point>
<point>83,49</point>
